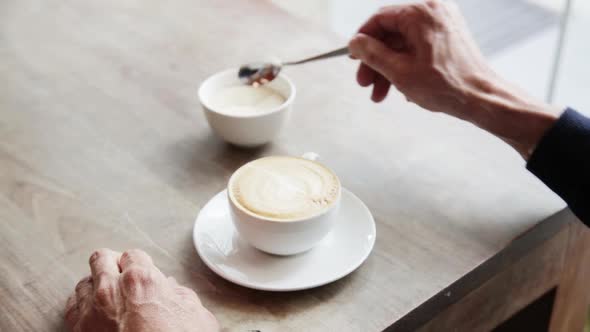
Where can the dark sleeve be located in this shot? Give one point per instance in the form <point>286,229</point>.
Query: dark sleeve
<point>562,161</point>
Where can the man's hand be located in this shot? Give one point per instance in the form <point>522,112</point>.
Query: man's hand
<point>422,49</point>
<point>426,51</point>
<point>128,293</point>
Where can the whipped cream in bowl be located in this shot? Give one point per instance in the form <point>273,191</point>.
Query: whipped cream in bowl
<point>243,100</point>
<point>246,115</point>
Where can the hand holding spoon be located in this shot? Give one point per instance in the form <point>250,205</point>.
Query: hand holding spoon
<point>261,73</point>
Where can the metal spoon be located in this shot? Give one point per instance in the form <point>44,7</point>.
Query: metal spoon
<point>261,73</point>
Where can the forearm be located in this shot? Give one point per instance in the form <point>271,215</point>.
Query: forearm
<point>554,143</point>
<point>510,114</point>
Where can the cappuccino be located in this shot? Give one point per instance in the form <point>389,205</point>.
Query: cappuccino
<point>245,100</point>
<point>284,188</point>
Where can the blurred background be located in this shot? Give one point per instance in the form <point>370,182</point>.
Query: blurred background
<point>521,39</point>
<point>541,45</point>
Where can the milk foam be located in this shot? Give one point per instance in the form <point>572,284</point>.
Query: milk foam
<point>284,188</point>
<point>245,100</point>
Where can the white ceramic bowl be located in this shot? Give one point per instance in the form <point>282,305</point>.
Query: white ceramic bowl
<point>282,237</point>
<point>246,130</point>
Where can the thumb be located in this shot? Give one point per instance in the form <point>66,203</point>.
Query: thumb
<point>375,54</point>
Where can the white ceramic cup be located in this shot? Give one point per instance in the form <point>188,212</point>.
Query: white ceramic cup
<point>246,130</point>
<point>283,237</point>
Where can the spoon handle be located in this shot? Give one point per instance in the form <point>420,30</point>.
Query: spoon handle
<point>340,51</point>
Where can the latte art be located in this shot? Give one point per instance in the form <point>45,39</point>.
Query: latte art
<point>284,188</point>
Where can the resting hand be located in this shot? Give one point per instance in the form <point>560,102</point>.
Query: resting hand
<point>128,293</point>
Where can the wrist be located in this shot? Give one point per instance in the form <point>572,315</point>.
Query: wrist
<point>510,114</point>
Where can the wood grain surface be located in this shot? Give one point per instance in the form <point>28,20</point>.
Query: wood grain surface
<point>531,268</point>
<point>573,296</point>
<point>103,144</point>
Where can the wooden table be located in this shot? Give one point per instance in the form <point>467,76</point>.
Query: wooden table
<point>103,144</point>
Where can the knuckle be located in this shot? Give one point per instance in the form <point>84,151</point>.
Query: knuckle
<point>414,14</point>
<point>136,277</point>
<point>417,7</point>
<point>101,275</point>
<point>433,4</point>
<point>82,283</point>
<point>129,254</point>
<point>134,252</point>
<point>94,257</point>
<point>125,255</point>
<point>423,11</point>
<point>98,254</point>
<point>381,13</point>
<point>382,9</point>
<point>104,296</point>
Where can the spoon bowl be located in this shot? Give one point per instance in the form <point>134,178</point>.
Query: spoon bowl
<point>258,73</point>
<point>264,72</point>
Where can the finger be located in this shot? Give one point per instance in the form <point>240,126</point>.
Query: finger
<point>105,271</point>
<point>104,264</point>
<point>384,21</point>
<point>380,89</point>
<point>135,258</point>
<point>376,55</point>
<point>365,76</point>
<point>142,283</point>
<point>72,315</point>
<point>84,291</point>
<point>71,303</point>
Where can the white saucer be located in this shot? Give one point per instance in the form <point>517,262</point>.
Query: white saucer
<point>343,250</point>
